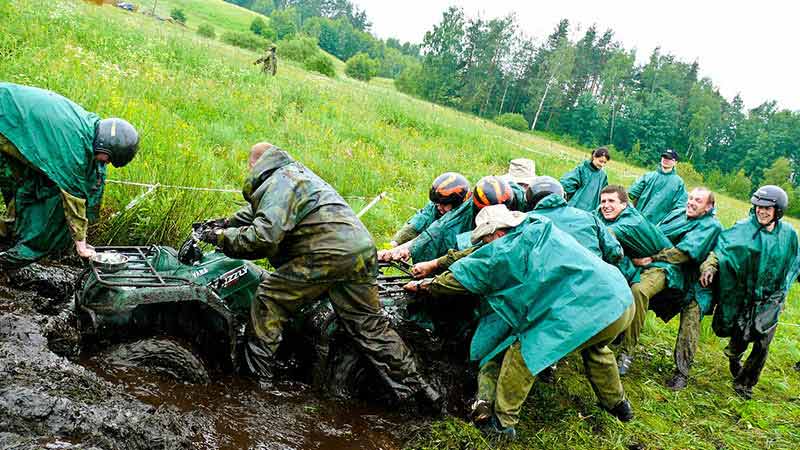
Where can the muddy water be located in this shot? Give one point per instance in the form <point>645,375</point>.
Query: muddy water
<point>243,414</point>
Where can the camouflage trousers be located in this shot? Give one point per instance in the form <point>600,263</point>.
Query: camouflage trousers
<point>505,381</point>
<point>358,309</point>
<point>651,282</point>
<point>688,336</point>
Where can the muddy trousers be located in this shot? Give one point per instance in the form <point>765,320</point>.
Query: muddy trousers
<point>688,336</point>
<point>651,282</point>
<point>505,381</point>
<point>356,304</point>
<point>752,368</point>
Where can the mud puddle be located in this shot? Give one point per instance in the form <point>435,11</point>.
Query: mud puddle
<point>243,414</point>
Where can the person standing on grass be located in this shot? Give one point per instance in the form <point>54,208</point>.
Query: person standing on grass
<point>657,193</point>
<point>318,247</point>
<point>448,191</point>
<point>530,320</point>
<point>52,171</point>
<point>582,185</point>
<point>750,271</point>
<point>269,62</point>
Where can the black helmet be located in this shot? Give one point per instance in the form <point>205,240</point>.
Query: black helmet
<point>449,188</point>
<point>540,188</point>
<point>492,191</point>
<point>771,195</point>
<point>118,139</point>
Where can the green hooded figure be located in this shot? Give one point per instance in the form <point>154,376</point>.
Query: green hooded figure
<point>657,193</point>
<point>583,184</point>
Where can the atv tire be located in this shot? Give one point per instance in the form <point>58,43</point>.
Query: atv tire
<point>161,355</point>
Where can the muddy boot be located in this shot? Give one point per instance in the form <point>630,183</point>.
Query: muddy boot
<point>742,390</point>
<point>500,433</point>
<point>735,366</point>
<point>624,363</point>
<point>622,411</point>
<point>430,401</point>
<point>677,382</point>
<point>480,411</point>
<point>258,362</point>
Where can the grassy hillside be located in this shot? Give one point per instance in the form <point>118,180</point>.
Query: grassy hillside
<point>200,104</point>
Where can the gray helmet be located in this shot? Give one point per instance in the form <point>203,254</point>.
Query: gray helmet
<point>771,195</point>
<point>118,139</point>
<point>541,187</point>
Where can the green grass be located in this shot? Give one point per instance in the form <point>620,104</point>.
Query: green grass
<point>200,104</point>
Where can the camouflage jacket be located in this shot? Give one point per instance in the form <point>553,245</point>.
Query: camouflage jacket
<point>300,224</point>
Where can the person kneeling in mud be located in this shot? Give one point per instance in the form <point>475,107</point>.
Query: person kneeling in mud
<point>529,322</point>
<point>318,247</point>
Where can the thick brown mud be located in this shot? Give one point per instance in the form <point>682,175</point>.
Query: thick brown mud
<point>53,395</point>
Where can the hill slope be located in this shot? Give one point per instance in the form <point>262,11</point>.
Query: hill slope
<point>200,104</point>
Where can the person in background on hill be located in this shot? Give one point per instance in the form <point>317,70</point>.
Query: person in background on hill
<point>691,233</point>
<point>448,191</point>
<point>529,322</point>
<point>582,184</point>
<point>318,247</point>
<point>52,171</point>
<point>657,193</point>
<point>521,171</point>
<point>269,62</point>
<point>751,268</point>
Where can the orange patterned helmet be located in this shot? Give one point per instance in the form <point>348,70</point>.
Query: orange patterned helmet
<point>492,190</point>
<point>449,188</point>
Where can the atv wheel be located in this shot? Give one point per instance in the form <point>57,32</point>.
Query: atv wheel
<point>164,356</point>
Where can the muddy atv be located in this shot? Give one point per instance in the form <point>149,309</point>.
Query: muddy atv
<point>182,313</point>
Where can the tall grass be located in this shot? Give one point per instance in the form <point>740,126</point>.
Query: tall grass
<point>200,104</point>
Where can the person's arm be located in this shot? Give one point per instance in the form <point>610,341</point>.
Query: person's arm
<point>423,269</point>
<point>240,218</point>
<point>609,245</point>
<point>571,181</point>
<point>708,269</point>
<point>446,285</point>
<point>405,234</point>
<point>636,189</point>
<point>77,222</point>
<point>670,255</point>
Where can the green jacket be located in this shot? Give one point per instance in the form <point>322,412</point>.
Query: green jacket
<point>418,223</point>
<point>657,193</point>
<point>442,234</point>
<point>639,239</point>
<point>756,269</point>
<point>54,134</point>
<point>522,277</point>
<point>300,224</point>
<point>695,238</point>
<point>583,185</point>
<point>585,227</point>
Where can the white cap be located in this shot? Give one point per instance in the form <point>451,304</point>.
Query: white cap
<point>493,218</point>
<point>522,170</point>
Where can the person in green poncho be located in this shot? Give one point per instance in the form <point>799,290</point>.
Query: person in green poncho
<point>530,322</point>
<point>751,269</point>
<point>442,235</point>
<point>691,233</point>
<point>582,185</point>
<point>657,193</point>
<point>448,191</point>
<point>318,247</point>
<point>52,171</point>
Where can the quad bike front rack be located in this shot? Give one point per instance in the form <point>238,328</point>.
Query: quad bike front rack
<point>137,273</point>
<point>393,284</point>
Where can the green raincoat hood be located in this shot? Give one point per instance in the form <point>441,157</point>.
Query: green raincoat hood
<point>53,133</point>
<point>756,269</point>
<point>522,276</point>
<point>266,165</point>
<point>583,185</point>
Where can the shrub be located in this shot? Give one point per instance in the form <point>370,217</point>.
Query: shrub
<point>298,48</point>
<point>285,22</point>
<point>408,81</point>
<point>322,64</point>
<point>515,121</point>
<point>360,66</point>
<point>178,15</point>
<point>207,31</point>
<point>245,40</point>
<point>258,26</point>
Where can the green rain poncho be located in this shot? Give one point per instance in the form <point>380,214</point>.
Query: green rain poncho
<point>756,269</point>
<point>639,239</point>
<point>424,217</point>
<point>543,289</point>
<point>442,235</point>
<point>657,193</point>
<point>695,238</point>
<point>583,185</point>
<point>585,227</point>
<point>52,133</point>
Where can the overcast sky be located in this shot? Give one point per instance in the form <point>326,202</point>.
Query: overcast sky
<point>747,47</point>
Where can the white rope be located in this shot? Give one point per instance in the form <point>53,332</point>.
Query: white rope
<point>172,186</point>
<point>371,204</point>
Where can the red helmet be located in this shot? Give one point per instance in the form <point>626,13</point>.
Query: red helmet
<point>449,188</point>
<point>492,191</point>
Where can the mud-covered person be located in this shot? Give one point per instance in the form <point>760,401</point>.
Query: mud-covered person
<point>52,171</point>
<point>318,246</point>
<point>528,323</point>
<point>752,267</point>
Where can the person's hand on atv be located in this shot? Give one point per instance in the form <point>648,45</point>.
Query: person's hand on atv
<point>222,222</point>
<point>385,255</point>
<point>423,269</point>
<point>418,286</point>
<point>84,250</point>
<point>211,235</point>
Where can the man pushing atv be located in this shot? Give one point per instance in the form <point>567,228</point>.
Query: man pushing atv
<point>317,246</point>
